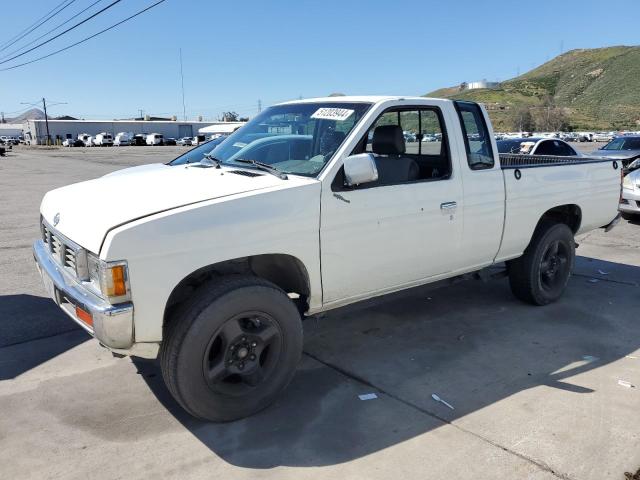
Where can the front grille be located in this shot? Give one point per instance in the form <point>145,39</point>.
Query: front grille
<point>65,252</point>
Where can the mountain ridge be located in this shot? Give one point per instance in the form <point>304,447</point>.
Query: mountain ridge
<point>590,88</point>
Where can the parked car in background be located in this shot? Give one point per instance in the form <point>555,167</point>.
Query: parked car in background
<point>537,146</point>
<point>169,141</point>
<point>122,139</point>
<point>73,142</point>
<point>585,137</point>
<point>138,140</point>
<point>624,147</point>
<point>630,198</point>
<point>602,137</point>
<point>199,140</point>
<point>87,139</point>
<point>9,140</point>
<point>103,139</point>
<point>155,139</point>
<point>184,141</point>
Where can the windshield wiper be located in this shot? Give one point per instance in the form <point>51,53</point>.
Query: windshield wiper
<point>209,160</point>
<point>265,167</point>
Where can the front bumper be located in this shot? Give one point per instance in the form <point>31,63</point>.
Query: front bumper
<point>112,324</point>
<point>631,201</point>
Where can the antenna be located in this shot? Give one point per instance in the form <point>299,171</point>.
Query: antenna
<point>184,110</point>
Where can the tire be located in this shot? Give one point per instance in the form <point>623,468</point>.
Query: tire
<point>232,348</point>
<point>541,274</point>
<point>629,216</point>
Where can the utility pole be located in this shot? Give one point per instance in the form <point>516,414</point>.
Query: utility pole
<point>46,119</point>
<point>259,106</point>
<point>2,114</point>
<point>140,110</point>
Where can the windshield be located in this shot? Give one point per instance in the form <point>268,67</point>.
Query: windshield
<point>297,138</point>
<point>623,143</point>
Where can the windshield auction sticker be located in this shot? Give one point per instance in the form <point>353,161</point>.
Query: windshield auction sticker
<point>338,114</point>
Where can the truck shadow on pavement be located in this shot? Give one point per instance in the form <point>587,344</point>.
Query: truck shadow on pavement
<point>472,344</point>
<point>24,318</point>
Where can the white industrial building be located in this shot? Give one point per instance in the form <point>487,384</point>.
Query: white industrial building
<point>35,131</point>
<point>479,84</point>
<point>10,129</point>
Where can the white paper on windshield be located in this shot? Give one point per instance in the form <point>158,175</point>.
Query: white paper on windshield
<point>338,114</point>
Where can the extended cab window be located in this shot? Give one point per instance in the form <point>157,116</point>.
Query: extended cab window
<point>476,136</point>
<point>409,144</point>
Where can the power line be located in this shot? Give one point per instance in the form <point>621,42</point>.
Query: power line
<point>12,41</point>
<point>34,23</point>
<point>84,39</point>
<point>49,31</point>
<point>62,33</point>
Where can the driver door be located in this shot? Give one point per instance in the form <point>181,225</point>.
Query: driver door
<point>379,238</point>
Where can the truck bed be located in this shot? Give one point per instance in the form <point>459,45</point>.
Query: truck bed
<point>536,183</point>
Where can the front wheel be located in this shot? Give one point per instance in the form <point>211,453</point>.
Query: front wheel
<point>541,274</point>
<point>231,349</point>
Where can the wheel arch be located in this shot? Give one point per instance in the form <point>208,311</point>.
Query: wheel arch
<point>569,214</point>
<point>285,271</point>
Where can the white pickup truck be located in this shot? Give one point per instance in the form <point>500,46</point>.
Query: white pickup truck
<point>211,261</point>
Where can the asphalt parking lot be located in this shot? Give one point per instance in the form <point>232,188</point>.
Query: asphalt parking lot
<point>535,390</point>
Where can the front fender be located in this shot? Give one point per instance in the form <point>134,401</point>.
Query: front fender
<point>163,249</point>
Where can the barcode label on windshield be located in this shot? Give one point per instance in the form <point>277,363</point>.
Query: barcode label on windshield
<point>338,114</point>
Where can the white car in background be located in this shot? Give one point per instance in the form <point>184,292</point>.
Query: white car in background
<point>86,139</point>
<point>155,139</point>
<point>103,139</point>
<point>122,139</point>
<point>537,146</point>
<point>630,198</point>
<point>184,141</point>
<point>603,137</point>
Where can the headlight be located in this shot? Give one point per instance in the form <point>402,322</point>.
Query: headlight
<point>111,279</point>
<point>627,182</point>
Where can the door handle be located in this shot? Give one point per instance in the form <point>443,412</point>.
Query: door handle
<point>448,206</point>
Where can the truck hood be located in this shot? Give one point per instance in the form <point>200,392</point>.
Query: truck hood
<point>86,211</point>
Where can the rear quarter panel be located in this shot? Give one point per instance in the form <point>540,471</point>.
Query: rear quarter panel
<point>594,187</point>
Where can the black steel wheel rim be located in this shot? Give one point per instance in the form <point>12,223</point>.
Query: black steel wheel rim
<point>554,265</point>
<point>242,353</point>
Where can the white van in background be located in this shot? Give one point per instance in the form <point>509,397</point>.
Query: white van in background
<point>86,139</point>
<point>155,139</point>
<point>122,139</point>
<point>103,139</point>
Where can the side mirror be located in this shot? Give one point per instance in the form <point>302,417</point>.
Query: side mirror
<point>359,169</point>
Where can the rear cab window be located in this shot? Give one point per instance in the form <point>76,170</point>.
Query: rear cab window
<point>476,136</point>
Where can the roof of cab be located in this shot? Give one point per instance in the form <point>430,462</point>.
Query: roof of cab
<point>361,99</point>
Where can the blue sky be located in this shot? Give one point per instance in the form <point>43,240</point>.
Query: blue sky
<point>236,53</point>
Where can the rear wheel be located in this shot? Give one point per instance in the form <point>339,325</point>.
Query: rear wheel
<point>541,274</point>
<point>232,348</point>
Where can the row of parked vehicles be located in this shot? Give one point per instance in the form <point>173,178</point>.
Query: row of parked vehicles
<point>123,139</point>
